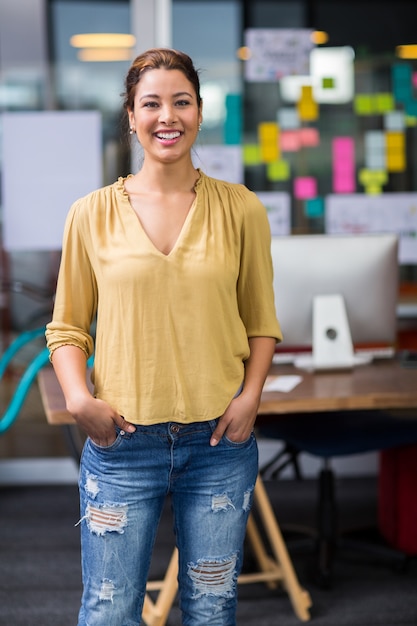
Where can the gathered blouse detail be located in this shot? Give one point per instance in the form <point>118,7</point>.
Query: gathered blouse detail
<point>171,330</point>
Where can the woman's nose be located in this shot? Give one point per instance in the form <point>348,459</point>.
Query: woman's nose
<point>167,115</point>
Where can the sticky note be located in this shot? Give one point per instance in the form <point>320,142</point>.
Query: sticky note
<point>394,120</point>
<point>343,165</point>
<point>372,180</point>
<point>363,104</point>
<point>411,108</point>
<point>314,207</point>
<point>288,118</point>
<point>305,187</point>
<point>307,107</point>
<point>328,83</point>
<point>252,154</point>
<point>395,151</point>
<point>290,140</point>
<point>309,137</point>
<point>268,133</point>
<point>279,170</point>
<point>402,82</point>
<point>383,102</point>
<point>233,122</point>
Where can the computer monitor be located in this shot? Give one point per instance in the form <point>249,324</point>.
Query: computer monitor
<point>336,297</point>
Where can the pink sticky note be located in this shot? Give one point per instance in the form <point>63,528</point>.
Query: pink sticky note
<point>414,79</point>
<point>289,140</point>
<point>305,187</point>
<point>309,137</point>
<point>343,148</point>
<point>344,182</point>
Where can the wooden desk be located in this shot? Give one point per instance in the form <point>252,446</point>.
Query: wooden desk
<point>384,384</point>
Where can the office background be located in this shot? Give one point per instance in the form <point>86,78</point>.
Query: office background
<point>304,152</point>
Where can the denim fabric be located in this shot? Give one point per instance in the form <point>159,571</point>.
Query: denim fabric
<point>122,490</point>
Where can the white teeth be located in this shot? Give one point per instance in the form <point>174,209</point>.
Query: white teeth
<point>168,135</point>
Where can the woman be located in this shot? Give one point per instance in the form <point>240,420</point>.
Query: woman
<point>176,268</point>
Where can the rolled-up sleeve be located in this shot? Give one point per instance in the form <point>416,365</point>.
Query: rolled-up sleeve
<point>76,294</point>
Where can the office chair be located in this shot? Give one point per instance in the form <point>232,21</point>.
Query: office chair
<point>327,435</point>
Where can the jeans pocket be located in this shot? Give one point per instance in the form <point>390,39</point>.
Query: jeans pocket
<point>120,434</point>
<point>238,444</point>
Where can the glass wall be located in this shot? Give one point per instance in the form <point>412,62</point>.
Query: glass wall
<point>335,151</point>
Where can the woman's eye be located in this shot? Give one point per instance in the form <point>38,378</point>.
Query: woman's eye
<point>150,105</point>
<point>182,103</point>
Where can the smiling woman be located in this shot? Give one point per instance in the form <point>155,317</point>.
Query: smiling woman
<point>177,267</point>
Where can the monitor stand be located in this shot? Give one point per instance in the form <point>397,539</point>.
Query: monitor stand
<point>332,341</point>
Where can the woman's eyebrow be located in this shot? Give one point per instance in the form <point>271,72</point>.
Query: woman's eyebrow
<point>175,95</point>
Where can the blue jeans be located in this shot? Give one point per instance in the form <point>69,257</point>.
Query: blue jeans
<point>122,491</point>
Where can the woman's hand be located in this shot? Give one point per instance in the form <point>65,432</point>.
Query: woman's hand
<point>238,420</point>
<point>98,420</point>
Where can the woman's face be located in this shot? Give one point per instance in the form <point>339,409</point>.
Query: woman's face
<point>166,116</point>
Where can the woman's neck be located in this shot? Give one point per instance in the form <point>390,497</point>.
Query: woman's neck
<point>167,178</point>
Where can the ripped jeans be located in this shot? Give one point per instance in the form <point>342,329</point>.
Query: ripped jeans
<point>122,492</point>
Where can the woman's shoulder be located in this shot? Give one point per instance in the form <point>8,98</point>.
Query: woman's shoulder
<point>100,199</point>
<point>236,193</point>
<point>225,187</point>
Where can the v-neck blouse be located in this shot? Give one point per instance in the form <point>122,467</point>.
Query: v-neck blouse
<point>172,330</point>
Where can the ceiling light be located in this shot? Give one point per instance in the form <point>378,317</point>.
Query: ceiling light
<point>244,53</point>
<point>104,54</point>
<point>103,40</point>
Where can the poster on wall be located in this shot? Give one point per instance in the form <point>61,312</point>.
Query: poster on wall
<point>220,161</point>
<point>388,212</point>
<point>49,160</point>
<point>278,206</point>
<point>277,52</point>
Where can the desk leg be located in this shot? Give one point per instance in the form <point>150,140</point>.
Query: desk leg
<point>299,597</point>
<point>156,613</point>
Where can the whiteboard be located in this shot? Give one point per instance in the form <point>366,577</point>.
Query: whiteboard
<point>390,212</point>
<point>49,160</point>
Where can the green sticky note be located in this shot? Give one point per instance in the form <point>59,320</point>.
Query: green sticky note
<point>251,154</point>
<point>363,104</point>
<point>383,102</point>
<point>278,170</point>
<point>328,83</point>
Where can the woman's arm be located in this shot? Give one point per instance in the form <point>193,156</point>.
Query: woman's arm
<point>239,418</point>
<point>95,417</point>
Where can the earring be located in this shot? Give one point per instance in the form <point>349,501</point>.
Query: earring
<point>199,126</point>
<point>131,131</point>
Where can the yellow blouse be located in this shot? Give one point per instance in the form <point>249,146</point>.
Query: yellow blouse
<point>172,330</point>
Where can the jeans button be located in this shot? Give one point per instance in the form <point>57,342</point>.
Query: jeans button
<point>175,428</point>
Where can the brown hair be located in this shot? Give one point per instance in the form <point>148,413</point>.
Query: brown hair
<point>157,58</point>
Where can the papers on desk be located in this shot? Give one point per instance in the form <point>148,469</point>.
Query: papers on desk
<point>282,383</point>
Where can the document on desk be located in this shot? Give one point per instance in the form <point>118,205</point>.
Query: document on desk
<point>282,383</point>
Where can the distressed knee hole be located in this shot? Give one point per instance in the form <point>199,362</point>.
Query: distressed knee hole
<point>107,591</point>
<point>213,576</point>
<point>91,485</point>
<point>247,499</point>
<point>221,502</point>
<point>106,518</point>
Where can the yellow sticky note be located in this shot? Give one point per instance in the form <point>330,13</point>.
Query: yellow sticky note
<point>307,107</point>
<point>268,133</point>
<point>372,180</point>
<point>395,161</point>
